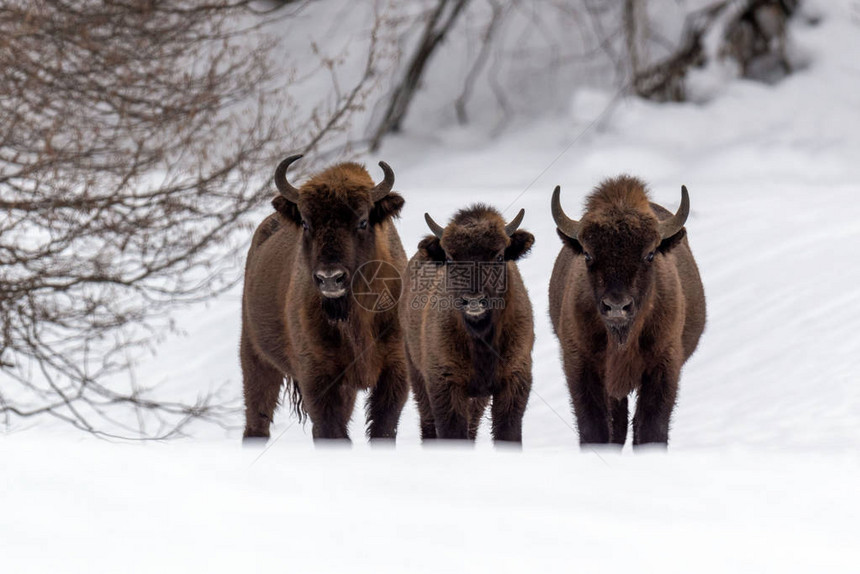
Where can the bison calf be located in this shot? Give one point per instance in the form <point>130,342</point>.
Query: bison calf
<point>628,308</point>
<point>468,325</point>
<point>300,320</point>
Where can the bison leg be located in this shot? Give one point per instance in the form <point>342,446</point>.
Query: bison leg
<point>422,400</point>
<point>509,406</point>
<point>477,407</point>
<point>451,410</point>
<point>654,406</point>
<point>262,385</point>
<point>386,402</point>
<point>620,420</point>
<point>330,405</point>
<point>589,406</point>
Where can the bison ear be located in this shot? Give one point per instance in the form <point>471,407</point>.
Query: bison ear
<point>386,208</point>
<point>432,249</point>
<point>521,243</point>
<point>570,242</point>
<point>671,242</point>
<point>288,209</point>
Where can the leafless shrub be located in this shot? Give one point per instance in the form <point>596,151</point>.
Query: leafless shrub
<point>136,136</point>
<point>438,22</point>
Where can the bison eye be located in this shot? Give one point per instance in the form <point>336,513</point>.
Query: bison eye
<point>650,257</point>
<point>500,257</point>
<point>587,255</point>
<point>305,225</point>
<point>362,224</point>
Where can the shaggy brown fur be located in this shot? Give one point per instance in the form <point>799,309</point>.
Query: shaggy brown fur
<point>458,361</point>
<point>326,348</point>
<point>607,358</point>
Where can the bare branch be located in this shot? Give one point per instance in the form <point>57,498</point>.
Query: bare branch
<point>137,137</point>
<point>439,23</point>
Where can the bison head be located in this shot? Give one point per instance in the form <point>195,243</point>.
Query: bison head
<point>339,211</point>
<point>620,238</point>
<point>476,246</point>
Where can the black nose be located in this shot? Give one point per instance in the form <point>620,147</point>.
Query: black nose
<point>617,307</point>
<point>329,279</point>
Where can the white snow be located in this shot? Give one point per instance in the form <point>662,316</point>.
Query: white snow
<point>89,507</point>
<point>762,470</point>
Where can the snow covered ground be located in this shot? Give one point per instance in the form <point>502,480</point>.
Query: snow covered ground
<point>763,465</point>
<point>88,507</point>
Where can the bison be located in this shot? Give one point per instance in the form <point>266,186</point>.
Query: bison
<point>302,318</point>
<point>628,307</point>
<point>468,326</point>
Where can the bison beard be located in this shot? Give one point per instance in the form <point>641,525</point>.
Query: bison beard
<point>485,359</point>
<point>336,309</point>
<point>620,332</point>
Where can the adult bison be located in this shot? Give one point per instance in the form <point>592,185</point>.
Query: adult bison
<point>468,326</point>
<point>300,320</point>
<point>628,307</point>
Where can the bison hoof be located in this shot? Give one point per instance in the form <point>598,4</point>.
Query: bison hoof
<point>378,442</point>
<point>251,441</point>
<point>332,443</point>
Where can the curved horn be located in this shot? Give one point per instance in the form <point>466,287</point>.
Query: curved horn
<point>566,225</point>
<point>434,227</point>
<point>383,187</point>
<point>284,186</point>
<point>515,223</point>
<point>673,225</point>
